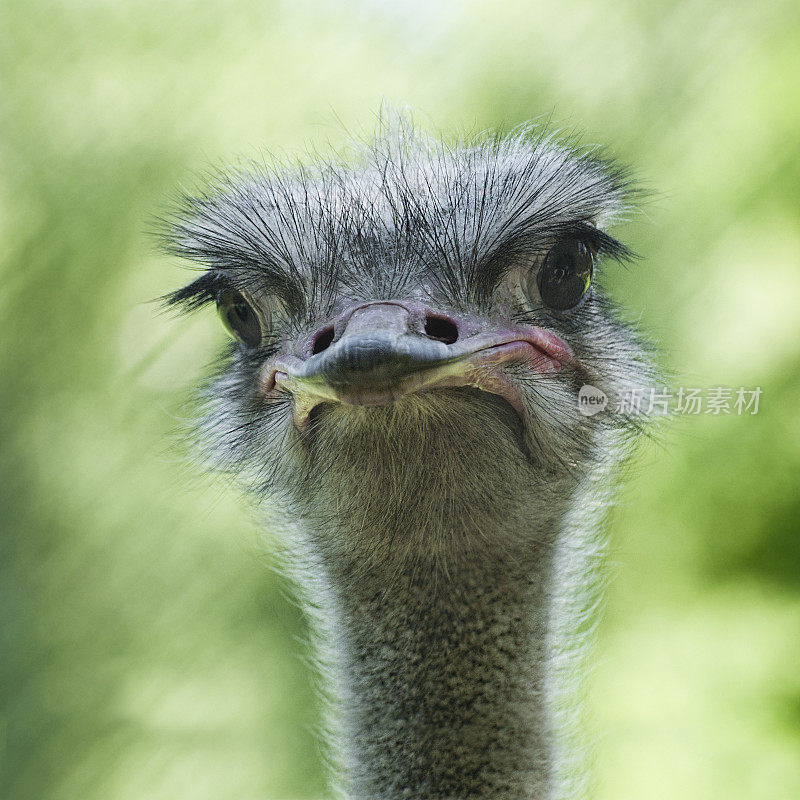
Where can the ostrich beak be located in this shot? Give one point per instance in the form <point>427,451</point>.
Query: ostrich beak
<point>382,355</point>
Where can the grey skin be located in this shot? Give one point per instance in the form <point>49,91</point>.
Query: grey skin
<point>407,422</point>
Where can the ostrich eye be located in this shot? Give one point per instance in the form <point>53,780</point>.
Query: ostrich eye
<point>239,317</point>
<point>565,275</point>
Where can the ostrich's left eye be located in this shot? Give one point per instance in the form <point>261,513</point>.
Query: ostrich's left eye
<point>239,317</point>
<point>565,275</point>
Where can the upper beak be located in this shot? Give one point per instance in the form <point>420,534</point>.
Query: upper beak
<point>381,356</point>
<point>371,359</point>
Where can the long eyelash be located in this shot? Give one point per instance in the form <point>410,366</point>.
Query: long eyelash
<point>198,293</point>
<point>601,242</point>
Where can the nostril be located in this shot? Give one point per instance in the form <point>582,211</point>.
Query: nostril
<point>323,340</point>
<point>442,329</point>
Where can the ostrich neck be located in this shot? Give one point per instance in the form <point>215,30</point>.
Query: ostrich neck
<point>442,666</point>
<point>452,587</point>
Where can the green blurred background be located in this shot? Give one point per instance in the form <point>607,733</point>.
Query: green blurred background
<point>148,650</point>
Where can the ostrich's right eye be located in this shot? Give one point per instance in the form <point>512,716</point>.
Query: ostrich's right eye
<point>239,317</point>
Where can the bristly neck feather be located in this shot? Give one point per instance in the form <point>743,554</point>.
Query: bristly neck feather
<point>437,597</point>
<point>443,678</point>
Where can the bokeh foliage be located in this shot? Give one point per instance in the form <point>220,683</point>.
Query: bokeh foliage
<point>148,650</point>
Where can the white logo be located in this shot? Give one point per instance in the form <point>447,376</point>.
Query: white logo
<point>591,400</point>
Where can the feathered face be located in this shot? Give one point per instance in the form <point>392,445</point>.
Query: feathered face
<point>425,298</point>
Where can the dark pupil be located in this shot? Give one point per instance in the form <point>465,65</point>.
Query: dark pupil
<point>241,312</point>
<point>565,275</point>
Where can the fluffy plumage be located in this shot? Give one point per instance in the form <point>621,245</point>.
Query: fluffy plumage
<point>447,546</point>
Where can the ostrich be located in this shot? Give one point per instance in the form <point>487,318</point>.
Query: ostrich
<point>411,326</point>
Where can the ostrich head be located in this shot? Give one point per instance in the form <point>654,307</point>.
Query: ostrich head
<point>411,328</point>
